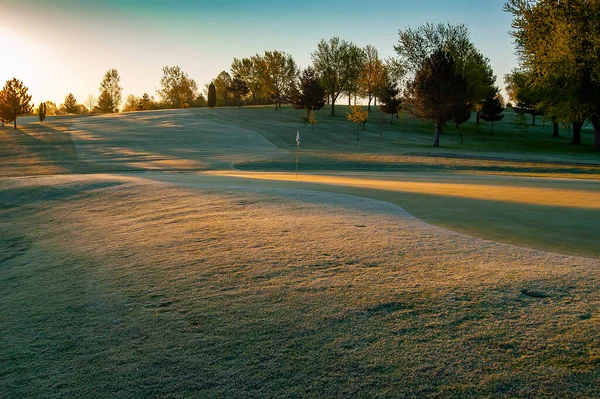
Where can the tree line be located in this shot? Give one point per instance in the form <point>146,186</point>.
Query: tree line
<point>438,75</point>
<point>559,62</point>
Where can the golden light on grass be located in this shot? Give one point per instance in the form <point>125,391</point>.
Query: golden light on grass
<point>503,193</point>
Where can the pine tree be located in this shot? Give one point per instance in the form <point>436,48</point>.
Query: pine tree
<point>492,109</point>
<point>70,104</point>
<point>14,101</point>
<point>312,94</point>
<point>110,92</point>
<point>212,95</point>
<point>389,101</point>
<point>42,112</point>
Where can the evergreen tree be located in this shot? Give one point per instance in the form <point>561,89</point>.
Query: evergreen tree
<point>492,109</point>
<point>312,95</point>
<point>437,91</point>
<point>110,92</point>
<point>212,95</point>
<point>70,104</point>
<point>14,101</point>
<point>389,100</point>
<point>42,112</point>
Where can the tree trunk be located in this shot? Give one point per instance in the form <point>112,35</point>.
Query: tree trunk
<point>477,117</point>
<point>491,128</point>
<point>369,104</point>
<point>533,122</point>
<point>438,132</point>
<point>457,125</point>
<point>358,134</point>
<point>332,106</point>
<point>374,101</point>
<point>15,122</point>
<point>254,98</point>
<point>576,133</point>
<point>596,124</point>
<point>555,129</point>
<point>349,100</point>
<point>392,119</point>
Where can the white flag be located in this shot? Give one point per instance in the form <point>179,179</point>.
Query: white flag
<point>297,137</point>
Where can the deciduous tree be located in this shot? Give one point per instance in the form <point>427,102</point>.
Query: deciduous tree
<point>358,116</point>
<point>436,91</point>
<point>278,72</point>
<point>176,88</point>
<point>336,62</point>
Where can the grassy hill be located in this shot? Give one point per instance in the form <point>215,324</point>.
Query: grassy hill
<point>176,254</point>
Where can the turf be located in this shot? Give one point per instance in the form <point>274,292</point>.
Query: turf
<point>176,254</point>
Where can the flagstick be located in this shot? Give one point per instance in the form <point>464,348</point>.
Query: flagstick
<point>297,146</point>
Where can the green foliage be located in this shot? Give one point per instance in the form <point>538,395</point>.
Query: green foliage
<point>14,101</point>
<point>238,89</point>
<point>70,105</point>
<point>248,70</point>
<point>110,92</point>
<point>339,63</point>
<point>311,94</point>
<point>493,109</point>
<point>177,89</point>
<point>390,101</point>
<point>557,43</point>
<point>212,95</point>
<point>278,72</point>
<point>437,90</point>
<point>42,112</point>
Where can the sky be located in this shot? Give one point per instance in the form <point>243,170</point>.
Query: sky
<point>60,46</point>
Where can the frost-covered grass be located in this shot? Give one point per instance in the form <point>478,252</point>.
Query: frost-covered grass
<point>125,287</point>
<point>135,261</point>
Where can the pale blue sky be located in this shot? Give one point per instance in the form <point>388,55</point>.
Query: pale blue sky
<point>62,46</point>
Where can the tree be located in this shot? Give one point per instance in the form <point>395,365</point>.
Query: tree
<point>338,63</point>
<point>557,44</point>
<point>312,119</point>
<point>436,90</point>
<point>248,70</point>
<point>312,94</point>
<point>353,87</point>
<point>145,103</point>
<point>176,88</point>
<point>278,72</point>
<point>110,92</point>
<point>131,103</point>
<point>222,85</point>
<point>42,112</point>
<point>417,44</point>
<point>358,116</point>
<point>372,75</point>
<point>492,109</point>
<point>14,101</point>
<point>238,89</point>
<point>389,100</point>
<point>70,104</point>
<point>212,95</point>
<point>90,102</point>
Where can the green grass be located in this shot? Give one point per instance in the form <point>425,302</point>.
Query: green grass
<point>128,270</point>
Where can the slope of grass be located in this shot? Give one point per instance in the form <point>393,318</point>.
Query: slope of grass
<point>122,287</point>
